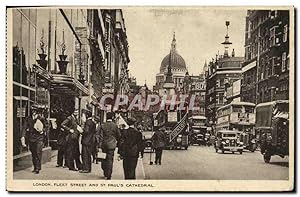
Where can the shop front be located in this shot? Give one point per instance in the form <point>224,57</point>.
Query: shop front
<point>66,95</point>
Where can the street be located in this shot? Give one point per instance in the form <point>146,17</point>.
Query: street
<point>203,163</point>
<point>196,163</point>
<point>50,172</point>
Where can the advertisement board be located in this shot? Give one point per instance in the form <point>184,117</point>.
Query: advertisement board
<point>172,116</point>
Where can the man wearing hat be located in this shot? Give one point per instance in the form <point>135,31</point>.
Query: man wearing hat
<point>130,146</point>
<point>70,125</point>
<point>96,140</point>
<point>108,135</point>
<point>33,129</point>
<point>87,142</point>
<point>159,142</point>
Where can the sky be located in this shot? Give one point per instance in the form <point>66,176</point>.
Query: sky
<point>199,33</point>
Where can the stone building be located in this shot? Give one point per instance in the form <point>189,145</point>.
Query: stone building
<point>266,66</point>
<point>198,88</point>
<point>62,60</point>
<point>116,52</point>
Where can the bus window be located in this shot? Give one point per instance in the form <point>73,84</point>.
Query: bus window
<point>249,109</point>
<point>237,109</point>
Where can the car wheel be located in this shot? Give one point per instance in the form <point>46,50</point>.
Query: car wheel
<point>267,158</point>
<point>232,152</point>
<point>186,148</point>
<point>241,152</point>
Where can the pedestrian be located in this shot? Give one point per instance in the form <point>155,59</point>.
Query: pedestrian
<point>143,141</point>
<point>34,131</point>
<point>88,142</point>
<point>96,140</point>
<point>61,147</point>
<point>109,135</point>
<point>70,125</point>
<point>130,147</point>
<point>159,142</point>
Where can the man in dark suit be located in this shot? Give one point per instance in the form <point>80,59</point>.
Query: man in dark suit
<point>108,135</point>
<point>159,142</point>
<point>61,143</point>
<point>72,141</point>
<point>96,142</point>
<point>130,146</point>
<point>88,142</point>
<point>34,136</point>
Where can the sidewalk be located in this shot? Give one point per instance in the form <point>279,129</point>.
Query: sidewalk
<point>50,172</point>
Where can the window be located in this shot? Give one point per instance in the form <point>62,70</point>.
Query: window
<point>221,98</point>
<point>283,64</point>
<point>272,63</point>
<point>262,73</point>
<point>272,36</point>
<point>218,83</point>
<point>248,53</point>
<point>238,109</point>
<point>222,82</point>
<point>285,33</point>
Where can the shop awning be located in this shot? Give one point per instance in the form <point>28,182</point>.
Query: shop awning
<point>67,85</point>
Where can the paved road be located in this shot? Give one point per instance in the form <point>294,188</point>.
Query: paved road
<point>50,172</point>
<point>203,163</point>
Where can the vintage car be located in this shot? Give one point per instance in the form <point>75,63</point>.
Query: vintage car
<point>272,127</point>
<point>228,140</point>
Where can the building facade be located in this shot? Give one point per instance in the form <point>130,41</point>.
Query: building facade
<point>62,60</point>
<point>116,52</point>
<point>221,73</point>
<point>266,66</point>
<point>198,88</point>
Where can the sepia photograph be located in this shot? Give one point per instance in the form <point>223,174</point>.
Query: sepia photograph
<point>150,98</point>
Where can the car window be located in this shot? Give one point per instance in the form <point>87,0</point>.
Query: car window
<point>228,135</point>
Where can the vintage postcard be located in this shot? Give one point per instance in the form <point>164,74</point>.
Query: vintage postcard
<point>150,99</point>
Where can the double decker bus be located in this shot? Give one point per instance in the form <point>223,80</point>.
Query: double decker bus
<point>239,116</point>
